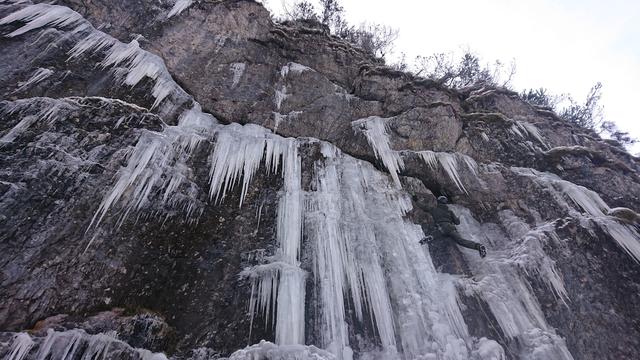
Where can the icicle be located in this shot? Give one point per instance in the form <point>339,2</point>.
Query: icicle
<point>41,15</point>
<point>449,162</point>
<point>139,63</point>
<point>39,75</point>
<point>530,129</point>
<point>76,344</point>
<point>376,131</point>
<point>21,346</point>
<point>179,7</point>
<point>18,129</point>
<point>237,153</point>
<point>283,276</point>
<point>159,160</point>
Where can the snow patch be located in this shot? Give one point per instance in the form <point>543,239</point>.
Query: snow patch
<point>269,351</point>
<point>278,118</point>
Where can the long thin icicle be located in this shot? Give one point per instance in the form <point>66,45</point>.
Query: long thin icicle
<point>278,288</point>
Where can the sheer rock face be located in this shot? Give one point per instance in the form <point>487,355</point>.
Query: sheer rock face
<point>162,263</point>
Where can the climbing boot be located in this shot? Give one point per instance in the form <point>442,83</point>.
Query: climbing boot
<point>426,240</point>
<point>483,251</point>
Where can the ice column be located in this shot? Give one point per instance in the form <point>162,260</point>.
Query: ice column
<point>367,254</point>
<point>278,288</point>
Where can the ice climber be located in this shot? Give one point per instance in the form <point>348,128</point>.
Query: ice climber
<point>445,221</point>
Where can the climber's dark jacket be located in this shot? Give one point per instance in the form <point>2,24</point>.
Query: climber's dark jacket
<point>442,214</point>
<point>445,220</point>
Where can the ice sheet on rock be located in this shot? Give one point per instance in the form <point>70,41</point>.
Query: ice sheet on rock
<point>39,75</point>
<point>293,68</point>
<point>528,253</point>
<point>450,162</point>
<point>41,15</point>
<point>505,290</point>
<point>279,118</point>
<point>376,131</point>
<point>269,351</point>
<point>50,111</point>
<point>366,254</point>
<point>179,7</point>
<point>581,198</point>
<point>237,69</point>
<point>76,344</point>
<point>280,96</point>
<point>18,129</point>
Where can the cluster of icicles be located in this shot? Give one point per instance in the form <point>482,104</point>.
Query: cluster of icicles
<point>76,344</point>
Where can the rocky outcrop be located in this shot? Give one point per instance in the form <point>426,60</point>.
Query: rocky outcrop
<point>193,179</point>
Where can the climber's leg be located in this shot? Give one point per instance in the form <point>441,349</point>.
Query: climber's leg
<point>451,232</point>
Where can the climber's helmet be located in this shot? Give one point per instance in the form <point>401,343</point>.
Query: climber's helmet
<point>443,199</point>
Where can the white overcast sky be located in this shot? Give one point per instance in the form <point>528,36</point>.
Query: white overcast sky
<point>563,45</point>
